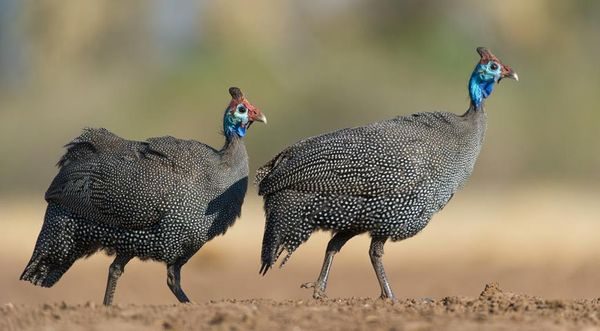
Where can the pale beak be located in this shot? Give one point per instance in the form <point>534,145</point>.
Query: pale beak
<point>261,118</point>
<point>508,73</point>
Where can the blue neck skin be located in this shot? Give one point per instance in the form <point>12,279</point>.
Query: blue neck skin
<point>480,87</point>
<point>232,128</point>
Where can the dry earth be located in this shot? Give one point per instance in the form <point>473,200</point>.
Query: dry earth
<point>493,310</point>
<point>542,241</point>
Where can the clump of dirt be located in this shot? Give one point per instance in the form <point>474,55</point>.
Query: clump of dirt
<point>494,309</point>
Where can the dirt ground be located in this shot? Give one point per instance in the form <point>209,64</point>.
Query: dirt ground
<point>493,309</point>
<point>540,242</point>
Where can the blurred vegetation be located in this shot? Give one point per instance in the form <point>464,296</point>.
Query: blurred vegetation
<point>151,68</point>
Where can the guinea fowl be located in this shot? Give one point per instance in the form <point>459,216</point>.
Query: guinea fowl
<point>387,178</point>
<point>159,199</point>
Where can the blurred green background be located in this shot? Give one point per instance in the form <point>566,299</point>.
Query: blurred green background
<point>151,68</point>
<point>528,218</point>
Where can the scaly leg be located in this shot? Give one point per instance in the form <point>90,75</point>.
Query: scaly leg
<point>335,245</point>
<point>115,271</point>
<point>375,253</point>
<point>173,280</point>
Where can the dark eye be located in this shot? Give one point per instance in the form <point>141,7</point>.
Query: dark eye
<point>494,66</point>
<point>241,109</point>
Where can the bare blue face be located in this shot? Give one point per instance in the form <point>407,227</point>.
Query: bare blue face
<point>489,72</point>
<point>482,81</point>
<point>236,120</point>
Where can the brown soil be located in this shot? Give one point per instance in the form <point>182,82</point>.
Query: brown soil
<point>494,309</point>
<point>545,245</point>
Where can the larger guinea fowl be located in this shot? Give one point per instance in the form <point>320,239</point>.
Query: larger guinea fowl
<point>386,178</point>
<point>159,199</point>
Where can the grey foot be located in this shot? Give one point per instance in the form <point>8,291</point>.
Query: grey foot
<point>319,292</point>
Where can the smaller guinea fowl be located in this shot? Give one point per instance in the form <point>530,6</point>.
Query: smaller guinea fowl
<point>159,199</point>
<point>387,178</point>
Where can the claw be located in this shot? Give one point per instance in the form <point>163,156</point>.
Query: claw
<point>318,293</point>
<point>308,285</point>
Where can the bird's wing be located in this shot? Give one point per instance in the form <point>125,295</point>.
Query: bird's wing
<point>124,183</point>
<point>382,158</point>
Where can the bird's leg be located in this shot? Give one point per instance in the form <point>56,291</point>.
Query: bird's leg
<point>335,245</point>
<point>115,271</point>
<point>375,253</point>
<point>173,280</point>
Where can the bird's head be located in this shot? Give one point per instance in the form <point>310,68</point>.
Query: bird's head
<point>488,71</point>
<point>240,114</point>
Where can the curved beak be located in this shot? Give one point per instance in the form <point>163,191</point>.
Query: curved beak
<point>507,72</point>
<point>260,117</point>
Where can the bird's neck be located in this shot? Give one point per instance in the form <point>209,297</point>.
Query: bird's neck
<point>479,90</point>
<point>234,152</point>
<point>476,121</point>
<point>474,110</point>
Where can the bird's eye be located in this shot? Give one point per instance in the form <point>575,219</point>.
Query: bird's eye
<point>494,66</point>
<point>241,109</point>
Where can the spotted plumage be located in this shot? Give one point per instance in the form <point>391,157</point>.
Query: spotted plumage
<point>387,178</point>
<point>158,199</point>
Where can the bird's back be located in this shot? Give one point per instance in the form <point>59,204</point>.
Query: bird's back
<point>131,184</point>
<point>392,157</point>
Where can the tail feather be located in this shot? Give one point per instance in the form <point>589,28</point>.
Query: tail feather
<point>271,246</point>
<point>56,249</point>
<point>270,256</point>
<point>288,224</point>
<point>264,268</point>
<point>41,273</point>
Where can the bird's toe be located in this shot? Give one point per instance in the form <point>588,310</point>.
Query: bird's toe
<point>308,285</point>
<point>319,292</point>
<point>319,295</point>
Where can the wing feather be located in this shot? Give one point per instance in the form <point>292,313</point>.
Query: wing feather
<point>343,162</point>
<point>130,184</point>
